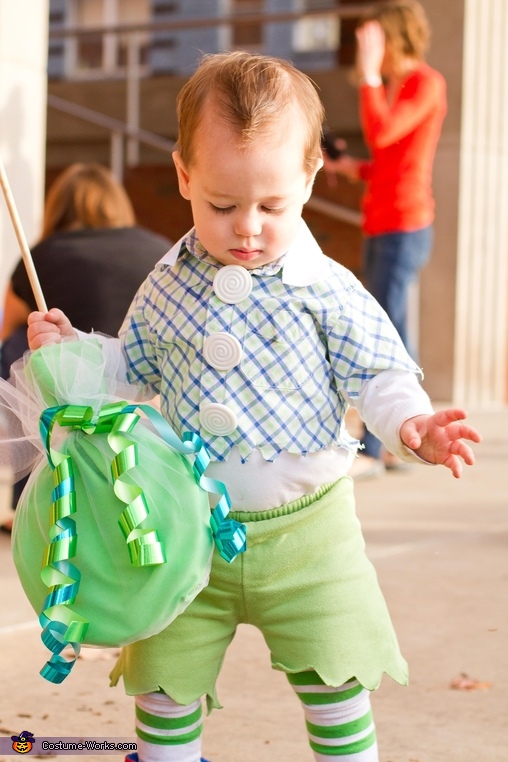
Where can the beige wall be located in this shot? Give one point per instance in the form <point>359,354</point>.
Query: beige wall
<point>23,57</point>
<point>437,289</point>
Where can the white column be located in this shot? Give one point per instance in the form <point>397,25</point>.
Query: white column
<point>23,87</point>
<point>480,375</point>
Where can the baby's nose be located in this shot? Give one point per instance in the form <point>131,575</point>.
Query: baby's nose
<point>248,225</point>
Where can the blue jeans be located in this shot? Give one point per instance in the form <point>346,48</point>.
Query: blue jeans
<point>392,262</point>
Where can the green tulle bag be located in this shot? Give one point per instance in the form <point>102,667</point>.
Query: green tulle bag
<point>113,536</point>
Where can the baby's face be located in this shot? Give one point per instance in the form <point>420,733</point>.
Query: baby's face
<point>246,202</point>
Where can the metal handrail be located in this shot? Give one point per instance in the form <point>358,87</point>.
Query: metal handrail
<point>131,131</point>
<point>120,130</point>
<point>111,124</point>
<point>335,211</point>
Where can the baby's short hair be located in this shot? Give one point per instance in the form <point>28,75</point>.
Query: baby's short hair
<point>250,92</point>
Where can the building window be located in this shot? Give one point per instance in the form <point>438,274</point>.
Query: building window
<point>316,33</point>
<point>105,54</point>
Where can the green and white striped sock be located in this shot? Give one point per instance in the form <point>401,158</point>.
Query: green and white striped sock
<point>167,731</point>
<point>339,720</point>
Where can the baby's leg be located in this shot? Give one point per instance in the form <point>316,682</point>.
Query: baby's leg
<point>339,720</point>
<point>167,731</point>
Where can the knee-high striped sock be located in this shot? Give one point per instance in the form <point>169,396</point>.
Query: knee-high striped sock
<point>339,720</point>
<point>167,731</point>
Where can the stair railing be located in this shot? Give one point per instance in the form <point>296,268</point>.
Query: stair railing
<point>130,132</point>
<point>120,131</point>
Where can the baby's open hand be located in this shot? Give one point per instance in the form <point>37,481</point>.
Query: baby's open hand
<point>439,438</point>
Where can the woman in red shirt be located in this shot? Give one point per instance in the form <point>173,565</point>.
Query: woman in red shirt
<point>402,107</point>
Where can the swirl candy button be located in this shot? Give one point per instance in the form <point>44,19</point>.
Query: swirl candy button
<point>222,351</point>
<point>218,419</point>
<point>232,284</point>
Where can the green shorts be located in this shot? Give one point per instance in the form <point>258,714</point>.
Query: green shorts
<point>304,581</point>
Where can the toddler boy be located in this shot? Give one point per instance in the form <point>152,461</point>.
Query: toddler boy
<point>256,340</point>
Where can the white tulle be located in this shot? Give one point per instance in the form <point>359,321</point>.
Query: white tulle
<point>78,372</point>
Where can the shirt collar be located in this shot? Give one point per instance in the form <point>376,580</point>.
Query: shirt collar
<point>303,265</point>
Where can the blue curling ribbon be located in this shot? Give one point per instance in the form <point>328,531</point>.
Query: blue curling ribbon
<point>230,536</point>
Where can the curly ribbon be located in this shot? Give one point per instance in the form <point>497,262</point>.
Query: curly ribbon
<point>61,626</point>
<point>144,546</point>
<point>230,536</point>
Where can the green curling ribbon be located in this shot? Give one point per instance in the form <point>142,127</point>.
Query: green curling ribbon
<point>144,546</point>
<point>61,626</point>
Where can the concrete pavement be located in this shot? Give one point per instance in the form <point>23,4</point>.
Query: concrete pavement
<point>440,549</point>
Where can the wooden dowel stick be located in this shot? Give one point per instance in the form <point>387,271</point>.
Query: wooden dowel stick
<point>20,235</point>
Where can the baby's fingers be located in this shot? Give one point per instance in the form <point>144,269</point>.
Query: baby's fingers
<point>449,415</point>
<point>454,463</point>
<point>36,317</point>
<point>463,450</point>
<point>410,434</point>
<point>470,433</point>
<point>459,453</point>
<point>40,335</point>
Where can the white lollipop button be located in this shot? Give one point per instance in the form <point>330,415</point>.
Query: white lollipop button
<point>232,284</point>
<point>218,419</point>
<point>222,351</point>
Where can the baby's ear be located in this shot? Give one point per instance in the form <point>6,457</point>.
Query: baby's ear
<point>311,178</point>
<point>182,174</point>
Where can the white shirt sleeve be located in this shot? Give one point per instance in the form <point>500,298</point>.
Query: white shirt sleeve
<point>116,367</point>
<point>386,401</point>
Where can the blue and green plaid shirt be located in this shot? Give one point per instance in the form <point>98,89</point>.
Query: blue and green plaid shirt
<point>310,335</point>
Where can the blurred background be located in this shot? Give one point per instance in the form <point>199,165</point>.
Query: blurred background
<point>96,80</point>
